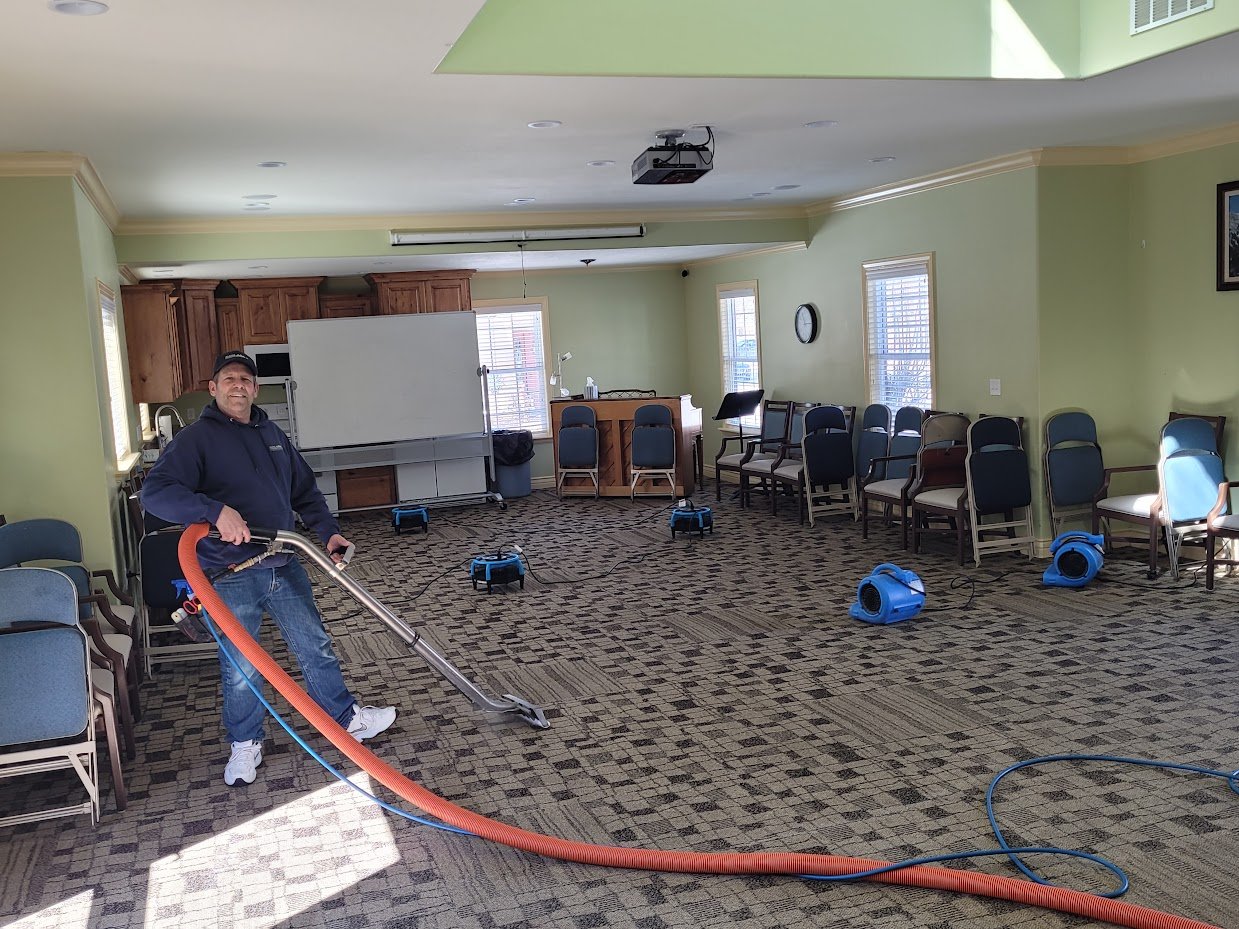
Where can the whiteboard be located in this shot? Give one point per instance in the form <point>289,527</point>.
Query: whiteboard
<point>373,379</point>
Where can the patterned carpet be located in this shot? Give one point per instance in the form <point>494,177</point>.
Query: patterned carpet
<point>707,694</point>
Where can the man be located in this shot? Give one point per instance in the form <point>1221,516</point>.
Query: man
<point>230,468</point>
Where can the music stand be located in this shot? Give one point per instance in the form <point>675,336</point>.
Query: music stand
<point>737,405</point>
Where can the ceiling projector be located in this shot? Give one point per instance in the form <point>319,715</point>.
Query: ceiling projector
<point>672,161</point>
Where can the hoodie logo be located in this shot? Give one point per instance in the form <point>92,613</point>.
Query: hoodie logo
<point>275,448</point>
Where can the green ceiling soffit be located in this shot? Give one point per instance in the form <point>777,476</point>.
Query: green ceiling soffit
<point>1032,39</point>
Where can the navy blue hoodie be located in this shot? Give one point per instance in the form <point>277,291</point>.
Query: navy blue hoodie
<point>251,467</point>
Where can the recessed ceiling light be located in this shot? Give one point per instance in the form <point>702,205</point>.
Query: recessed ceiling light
<point>601,164</point>
<point>163,270</point>
<point>273,164</point>
<point>545,124</point>
<point>384,262</point>
<point>521,201</point>
<point>822,124</point>
<point>78,7</point>
<point>881,159</point>
<point>256,207</point>
<point>762,193</point>
<point>786,186</point>
<point>260,196</point>
<point>258,267</point>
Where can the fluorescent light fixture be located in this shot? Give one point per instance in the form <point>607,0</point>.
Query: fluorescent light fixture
<point>481,236</point>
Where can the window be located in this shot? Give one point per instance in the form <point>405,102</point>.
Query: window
<point>511,340</point>
<point>741,353</point>
<point>117,400</point>
<point>899,331</point>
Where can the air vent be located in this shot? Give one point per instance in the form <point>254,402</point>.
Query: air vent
<point>1149,14</point>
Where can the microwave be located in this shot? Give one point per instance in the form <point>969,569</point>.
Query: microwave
<point>273,362</point>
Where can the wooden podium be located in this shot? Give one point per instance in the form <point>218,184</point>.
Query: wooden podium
<point>615,443</point>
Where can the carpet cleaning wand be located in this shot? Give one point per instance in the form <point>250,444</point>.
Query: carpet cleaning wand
<point>509,705</point>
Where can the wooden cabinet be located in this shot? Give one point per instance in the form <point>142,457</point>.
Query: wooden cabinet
<point>266,305</point>
<point>228,315</point>
<point>340,306</point>
<point>359,487</point>
<point>171,336</point>
<point>421,292</point>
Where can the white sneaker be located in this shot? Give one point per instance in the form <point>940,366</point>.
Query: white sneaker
<point>369,721</point>
<point>243,765</point>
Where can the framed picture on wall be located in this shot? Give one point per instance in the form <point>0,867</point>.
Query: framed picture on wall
<point>1228,236</point>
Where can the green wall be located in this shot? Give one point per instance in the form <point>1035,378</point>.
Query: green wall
<point>984,238</point>
<point>1187,329</point>
<point>624,329</point>
<point>54,460</point>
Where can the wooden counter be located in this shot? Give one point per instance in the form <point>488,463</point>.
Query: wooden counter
<point>615,442</point>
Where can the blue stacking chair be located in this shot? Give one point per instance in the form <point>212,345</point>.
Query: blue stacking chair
<point>890,476</point>
<point>653,448</point>
<point>829,468</point>
<point>46,691</point>
<point>874,441</point>
<point>1189,473</point>
<point>577,447</point>
<point>998,485</point>
<point>1072,466</point>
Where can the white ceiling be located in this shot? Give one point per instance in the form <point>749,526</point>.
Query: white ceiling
<point>175,103</point>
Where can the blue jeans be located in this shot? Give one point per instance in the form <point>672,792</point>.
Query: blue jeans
<point>284,593</point>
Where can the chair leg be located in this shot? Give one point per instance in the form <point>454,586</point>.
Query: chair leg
<point>1210,542</point>
<point>904,519</point>
<point>1153,551</point>
<point>109,729</point>
<point>864,517</point>
<point>800,499</point>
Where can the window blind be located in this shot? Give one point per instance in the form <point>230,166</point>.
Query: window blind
<point>899,332</point>
<point>740,350</point>
<point>115,371</point>
<point>510,344</point>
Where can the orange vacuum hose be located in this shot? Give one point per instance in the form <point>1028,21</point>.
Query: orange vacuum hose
<point>1102,909</point>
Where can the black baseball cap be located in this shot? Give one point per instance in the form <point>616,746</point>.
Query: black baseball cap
<point>234,358</point>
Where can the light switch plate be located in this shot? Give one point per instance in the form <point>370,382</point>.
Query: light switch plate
<point>995,387</point>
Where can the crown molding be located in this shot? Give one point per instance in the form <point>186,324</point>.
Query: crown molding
<point>444,221</point>
<point>127,276</point>
<point>952,176</point>
<point>769,250</point>
<point>1182,145</point>
<point>64,164</point>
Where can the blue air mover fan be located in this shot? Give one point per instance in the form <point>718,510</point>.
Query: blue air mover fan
<point>688,517</point>
<point>410,517</point>
<point>499,568</point>
<point>1078,556</point>
<point>888,595</point>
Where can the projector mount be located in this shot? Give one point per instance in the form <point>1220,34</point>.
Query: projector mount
<point>674,161</point>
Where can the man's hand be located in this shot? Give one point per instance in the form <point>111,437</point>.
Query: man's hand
<point>336,546</point>
<point>232,526</point>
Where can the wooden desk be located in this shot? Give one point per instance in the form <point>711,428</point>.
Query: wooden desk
<point>614,419</point>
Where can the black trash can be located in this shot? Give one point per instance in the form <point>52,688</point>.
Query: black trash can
<point>513,452</point>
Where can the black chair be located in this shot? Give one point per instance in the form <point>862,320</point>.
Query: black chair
<point>829,469</point>
<point>889,477</point>
<point>653,448</point>
<point>874,441</point>
<point>1072,466</point>
<point>160,570</point>
<point>998,485</point>
<point>776,423</point>
<point>577,447</point>
<point>735,405</point>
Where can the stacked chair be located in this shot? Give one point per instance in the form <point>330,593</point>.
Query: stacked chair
<point>776,424</point>
<point>577,448</point>
<point>1072,466</point>
<point>58,544</point>
<point>1189,474</point>
<point>653,448</point>
<point>939,491</point>
<point>762,465</point>
<point>828,478</point>
<point>998,485</point>
<point>888,478</point>
<point>51,705</point>
<point>1146,510</point>
<point>874,442</point>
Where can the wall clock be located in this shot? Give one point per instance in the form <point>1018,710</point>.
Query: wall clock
<point>806,322</point>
